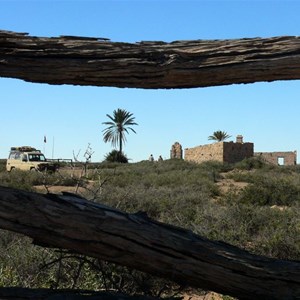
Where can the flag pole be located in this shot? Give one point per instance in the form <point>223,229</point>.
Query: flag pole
<point>53,148</point>
<point>45,141</point>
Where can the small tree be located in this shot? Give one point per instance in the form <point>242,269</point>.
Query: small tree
<point>219,136</point>
<point>116,156</point>
<point>119,124</point>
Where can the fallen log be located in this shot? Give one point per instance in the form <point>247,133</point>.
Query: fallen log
<point>179,64</point>
<point>70,222</point>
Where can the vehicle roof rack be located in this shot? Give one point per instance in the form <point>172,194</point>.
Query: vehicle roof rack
<point>24,149</point>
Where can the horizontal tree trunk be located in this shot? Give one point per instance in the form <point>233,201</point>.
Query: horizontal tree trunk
<point>134,240</point>
<point>179,64</point>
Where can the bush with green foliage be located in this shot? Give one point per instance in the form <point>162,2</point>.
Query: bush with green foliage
<point>116,156</point>
<point>271,191</point>
<point>175,192</point>
<point>26,180</point>
<point>252,163</point>
<point>271,186</point>
<point>2,165</point>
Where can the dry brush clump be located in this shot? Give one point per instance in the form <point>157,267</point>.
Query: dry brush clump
<point>171,191</point>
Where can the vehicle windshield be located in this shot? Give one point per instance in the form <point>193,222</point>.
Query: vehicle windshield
<point>36,157</point>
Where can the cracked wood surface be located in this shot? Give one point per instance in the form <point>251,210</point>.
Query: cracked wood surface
<point>134,240</point>
<point>150,65</point>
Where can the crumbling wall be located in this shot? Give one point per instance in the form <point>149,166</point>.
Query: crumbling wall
<point>235,152</point>
<point>205,153</point>
<point>229,152</point>
<point>288,158</point>
<point>176,151</point>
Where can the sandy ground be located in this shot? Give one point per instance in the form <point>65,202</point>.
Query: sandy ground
<point>57,189</point>
<point>208,296</point>
<point>226,184</point>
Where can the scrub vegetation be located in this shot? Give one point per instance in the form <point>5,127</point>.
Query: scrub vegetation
<point>262,216</point>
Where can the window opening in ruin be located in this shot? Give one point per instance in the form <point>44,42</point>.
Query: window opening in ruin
<point>280,161</point>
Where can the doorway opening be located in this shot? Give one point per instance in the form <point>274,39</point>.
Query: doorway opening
<point>280,161</point>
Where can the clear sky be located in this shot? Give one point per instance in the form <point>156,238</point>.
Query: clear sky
<point>71,117</point>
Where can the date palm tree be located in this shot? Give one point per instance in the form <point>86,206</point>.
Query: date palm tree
<point>219,136</point>
<point>118,126</point>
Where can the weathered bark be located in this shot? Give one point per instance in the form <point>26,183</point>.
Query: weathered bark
<point>180,64</point>
<point>136,241</point>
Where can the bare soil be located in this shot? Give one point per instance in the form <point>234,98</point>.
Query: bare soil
<point>57,189</point>
<point>226,184</point>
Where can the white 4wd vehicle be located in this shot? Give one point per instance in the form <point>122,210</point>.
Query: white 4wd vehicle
<point>27,158</point>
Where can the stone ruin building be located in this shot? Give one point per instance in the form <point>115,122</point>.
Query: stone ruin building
<point>176,151</point>
<point>231,152</point>
<point>228,152</point>
<point>288,158</point>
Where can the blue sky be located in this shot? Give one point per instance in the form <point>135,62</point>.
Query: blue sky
<point>71,117</point>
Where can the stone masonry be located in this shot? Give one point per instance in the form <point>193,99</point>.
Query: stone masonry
<point>176,151</point>
<point>288,158</point>
<point>228,152</point>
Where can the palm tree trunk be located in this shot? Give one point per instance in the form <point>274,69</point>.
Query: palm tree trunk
<point>121,143</point>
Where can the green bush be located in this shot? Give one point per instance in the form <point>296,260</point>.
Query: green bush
<point>116,156</point>
<point>172,191</point>
<point>267,189</point>
<point>2,165</point>
<point>26,180</point>
<point>271,192</point>
<point>265,231</point>
<point>241,176</point>
<point>252,163</point>
<point>18,179</point>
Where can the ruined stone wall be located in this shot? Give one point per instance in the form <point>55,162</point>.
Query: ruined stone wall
<point>288,158</point>
<point>223,151</point>
<point>235,152</point>
<point>204,153</point>
<point>176,151</point>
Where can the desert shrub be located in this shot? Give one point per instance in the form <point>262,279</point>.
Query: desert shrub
<point>26,265</point>
<point>277,232</point>
<point>292,169</point>
<point>125,280</point>
<point>172,191</point>
<point>167,204</point>
<point>158,189</point>
<point>215,166</point>
<point>267,186</point>
<point>2,165</point>
<point>240,176</point>
<point>262,230</point>
<point>18,179</point>
<point>19,261</point>
<point>26,180</point>
<point>116,156</point>
<point>162,173</point>
<point>252,163</point>
<point>268,190</point>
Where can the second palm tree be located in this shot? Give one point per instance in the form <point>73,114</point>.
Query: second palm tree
<point>118,126</point>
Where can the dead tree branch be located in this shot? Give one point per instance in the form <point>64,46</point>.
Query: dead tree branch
<point>179,64</point>
<point>134,240</point>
